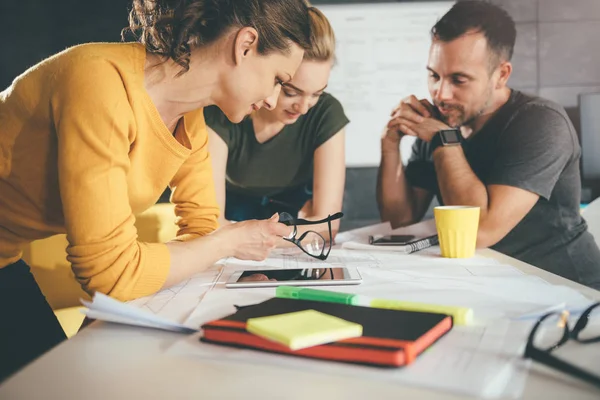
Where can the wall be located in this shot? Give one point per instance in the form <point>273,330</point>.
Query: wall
<point>558,53</point>
<point>31,30</point>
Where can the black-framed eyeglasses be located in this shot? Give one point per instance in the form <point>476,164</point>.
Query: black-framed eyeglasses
<point>310,242</point>
<point>552,331</point>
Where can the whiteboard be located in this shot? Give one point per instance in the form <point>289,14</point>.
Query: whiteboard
<point>381,52</point>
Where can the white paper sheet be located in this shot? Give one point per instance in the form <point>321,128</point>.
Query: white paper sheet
<point>177,302</point>
<point>108,309</point>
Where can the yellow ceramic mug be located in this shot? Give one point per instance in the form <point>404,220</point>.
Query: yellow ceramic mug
<point>457,230</point>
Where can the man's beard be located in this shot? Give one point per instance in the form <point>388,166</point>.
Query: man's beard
<point>457,120</point>
<point>462,119</point>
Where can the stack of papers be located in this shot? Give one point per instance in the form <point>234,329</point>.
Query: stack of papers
<point>105,308</point>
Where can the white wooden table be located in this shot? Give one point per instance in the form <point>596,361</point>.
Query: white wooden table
<point>108,361</point>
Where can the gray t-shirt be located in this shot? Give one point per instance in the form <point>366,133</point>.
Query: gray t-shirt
<point>531,144</point>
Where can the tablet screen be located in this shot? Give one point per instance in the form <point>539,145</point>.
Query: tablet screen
<point>286,275</point>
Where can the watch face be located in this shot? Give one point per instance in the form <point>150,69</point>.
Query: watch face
<point>450,136</point>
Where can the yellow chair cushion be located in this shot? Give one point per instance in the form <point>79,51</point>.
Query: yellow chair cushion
<point>70,319</point>
<point>48,261</point>
<point>157,224</point>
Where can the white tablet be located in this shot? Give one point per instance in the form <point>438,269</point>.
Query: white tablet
<point>294,277</point>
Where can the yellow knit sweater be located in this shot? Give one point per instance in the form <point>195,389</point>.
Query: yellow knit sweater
<point>82,150</point>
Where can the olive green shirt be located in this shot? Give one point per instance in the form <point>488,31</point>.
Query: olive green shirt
<point>285,160</point>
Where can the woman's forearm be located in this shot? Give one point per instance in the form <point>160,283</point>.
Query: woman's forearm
<point>246,240</point>
<point>191,257</point>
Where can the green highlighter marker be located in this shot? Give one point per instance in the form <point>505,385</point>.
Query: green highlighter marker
<point>460,315</point>
<point>290,292</point>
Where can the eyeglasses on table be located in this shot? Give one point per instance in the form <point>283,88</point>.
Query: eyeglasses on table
<point>310,242</point>
<point>552,331</point>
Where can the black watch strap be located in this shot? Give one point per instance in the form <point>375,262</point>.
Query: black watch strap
<point>447,137</point>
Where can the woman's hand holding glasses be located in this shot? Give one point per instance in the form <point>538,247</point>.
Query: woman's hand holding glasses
<point>253,239</point>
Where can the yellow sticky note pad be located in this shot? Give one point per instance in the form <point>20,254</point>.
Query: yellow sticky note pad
<point>302,329</point>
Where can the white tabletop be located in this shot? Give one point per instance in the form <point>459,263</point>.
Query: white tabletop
<point>109,361</point>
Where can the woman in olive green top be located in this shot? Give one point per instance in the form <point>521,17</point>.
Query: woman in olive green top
<point>288,158</point>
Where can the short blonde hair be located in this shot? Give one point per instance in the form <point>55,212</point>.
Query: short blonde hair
<point>322,38</point>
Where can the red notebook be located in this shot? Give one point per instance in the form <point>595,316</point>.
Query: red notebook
<point>391,338</point>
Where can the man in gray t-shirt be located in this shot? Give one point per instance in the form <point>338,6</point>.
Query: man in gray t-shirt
<point>481,143</point>
<point>529,143</point>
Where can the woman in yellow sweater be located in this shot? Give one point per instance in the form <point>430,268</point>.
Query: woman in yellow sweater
<point>92,136</point>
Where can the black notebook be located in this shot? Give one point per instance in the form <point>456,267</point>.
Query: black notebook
<point>390,337</point>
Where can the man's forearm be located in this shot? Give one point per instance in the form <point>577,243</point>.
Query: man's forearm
<point>394,194</point>
<point>457,182</point>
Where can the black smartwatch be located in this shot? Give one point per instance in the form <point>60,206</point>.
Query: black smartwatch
<point>446,137</point>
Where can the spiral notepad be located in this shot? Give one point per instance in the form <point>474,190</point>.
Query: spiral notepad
<point>411,247</point>
<point>423,243</point>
